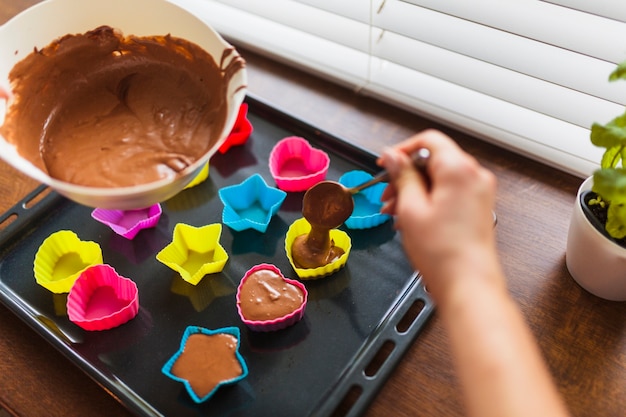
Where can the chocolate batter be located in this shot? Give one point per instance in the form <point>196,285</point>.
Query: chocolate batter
<point>265,295</point>
<point>104,110</point>
<point>323,212</point>
<point>315,249</point>
<point>208,360</point>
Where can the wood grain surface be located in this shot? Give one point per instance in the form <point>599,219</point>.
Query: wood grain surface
<point>582,337</point>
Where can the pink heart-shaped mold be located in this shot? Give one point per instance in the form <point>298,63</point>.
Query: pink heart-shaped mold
<point>101,299</point>
<point>275,294</point>
<point>296,166</point>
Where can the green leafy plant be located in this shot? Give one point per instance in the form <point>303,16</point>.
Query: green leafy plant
<point>609,182</point>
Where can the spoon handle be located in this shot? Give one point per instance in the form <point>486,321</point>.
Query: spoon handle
<point>420,159</point>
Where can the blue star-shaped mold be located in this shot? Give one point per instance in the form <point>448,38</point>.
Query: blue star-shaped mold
<point>192,330</point>
<point>250,204</point>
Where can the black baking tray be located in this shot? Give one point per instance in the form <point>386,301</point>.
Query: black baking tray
<point>358,322</point>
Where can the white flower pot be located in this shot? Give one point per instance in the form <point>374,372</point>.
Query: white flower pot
<point>596,263</point>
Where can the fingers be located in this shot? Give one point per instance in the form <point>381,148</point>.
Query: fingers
<point>389,199</point>
<point>405,181</point>
<point>401,170</point>
<point>389,207</point>
<point>433,140</point>
<point>439,145</point>
<point>448,165</point>
<point>4,93</point>
<point>442,150</point>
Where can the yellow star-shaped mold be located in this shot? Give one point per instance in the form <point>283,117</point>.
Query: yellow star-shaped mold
<point>194,252</point>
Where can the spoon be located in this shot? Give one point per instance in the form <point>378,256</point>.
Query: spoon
<point>328,203</point>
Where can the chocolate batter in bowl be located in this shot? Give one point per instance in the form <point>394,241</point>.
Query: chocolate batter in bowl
<point>115,104</point>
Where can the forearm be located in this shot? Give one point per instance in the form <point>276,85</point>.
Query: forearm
<point>499,364</point>
<point>447,230</point>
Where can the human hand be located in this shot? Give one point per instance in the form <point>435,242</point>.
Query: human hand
<point>446,223</point>
<point>5,94</point>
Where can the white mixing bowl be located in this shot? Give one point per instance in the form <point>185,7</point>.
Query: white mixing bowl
<point>41,24</point>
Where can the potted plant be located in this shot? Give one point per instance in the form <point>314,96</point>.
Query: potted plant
<point>596,244</point>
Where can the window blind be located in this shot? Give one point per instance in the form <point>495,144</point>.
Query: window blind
<point>527,75</point>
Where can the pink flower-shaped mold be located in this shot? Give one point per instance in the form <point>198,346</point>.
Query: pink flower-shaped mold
<point>128,223</point>
<point>101,299</point>
<point>275,291</point>
<point>61,258</point>
<point>296,166</point>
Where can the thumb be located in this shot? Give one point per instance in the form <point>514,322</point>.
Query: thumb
<point>5,93</point>
<point>409,184</point>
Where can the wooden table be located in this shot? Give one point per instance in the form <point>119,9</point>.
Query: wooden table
<point>582,337</point>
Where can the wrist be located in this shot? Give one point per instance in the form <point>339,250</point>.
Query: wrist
<point>455,278</point>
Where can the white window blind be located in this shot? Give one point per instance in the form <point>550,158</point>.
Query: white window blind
<point>528,75</point>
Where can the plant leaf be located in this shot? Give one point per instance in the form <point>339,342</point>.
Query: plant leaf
<point>616,221</point>
<point>623,155</point>
<point>610,184</point>
<point>619,72</point>
<point>611,134</point>
<point>611,157</point>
